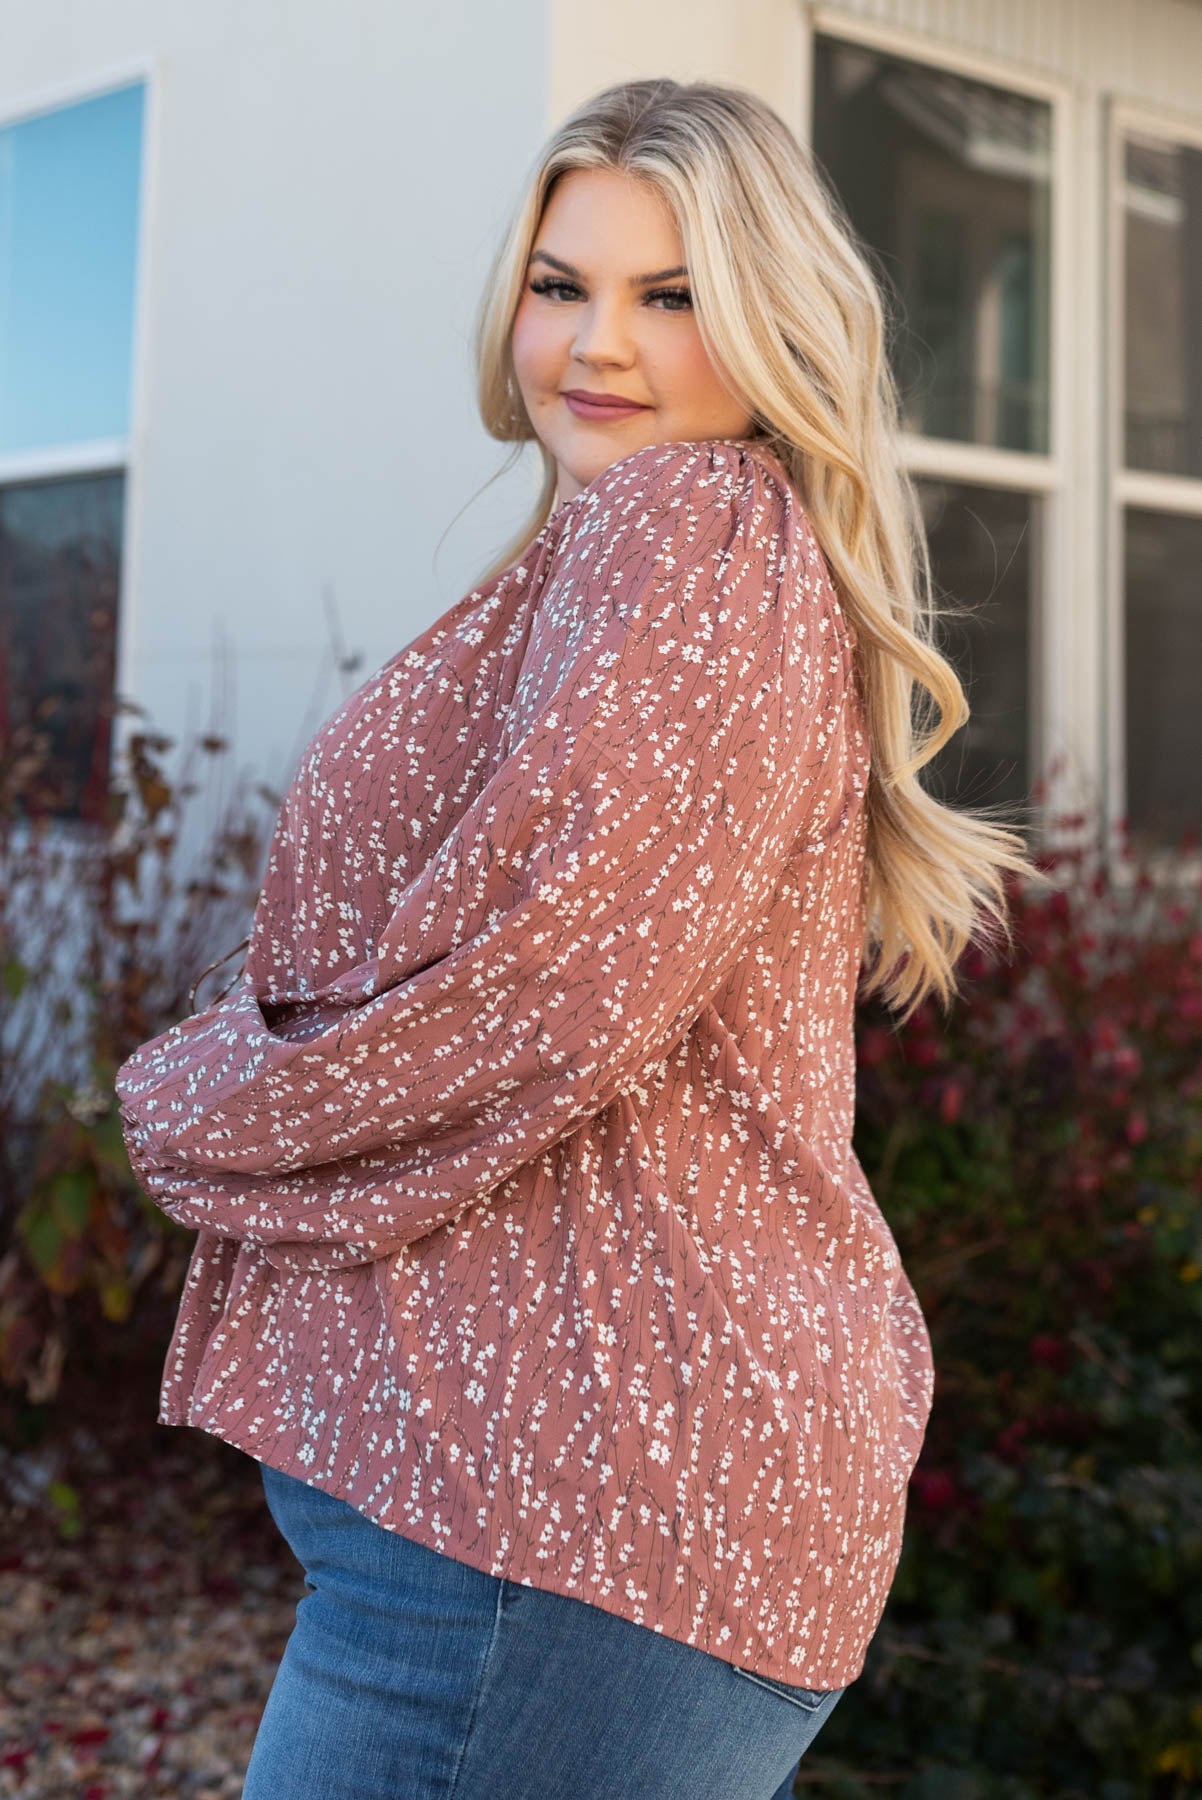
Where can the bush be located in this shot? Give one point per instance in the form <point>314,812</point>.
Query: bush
<point>104,925</point>
<point>1038,1153</point>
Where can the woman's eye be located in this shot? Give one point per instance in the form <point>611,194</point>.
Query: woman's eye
<point>673,294</point>
<point>549,286</point>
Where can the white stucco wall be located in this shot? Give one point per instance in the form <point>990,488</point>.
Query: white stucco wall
<point>323,188</point>
<point>757,44</point>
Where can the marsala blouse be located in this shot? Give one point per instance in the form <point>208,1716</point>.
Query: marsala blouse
<point>520,1154</point>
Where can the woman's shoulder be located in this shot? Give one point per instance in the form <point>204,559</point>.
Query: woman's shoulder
<point>681,485</point>
<point>657,471</point>
<point>705,503</point>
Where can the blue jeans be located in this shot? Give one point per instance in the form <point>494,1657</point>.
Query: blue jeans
<point>409,1674</point>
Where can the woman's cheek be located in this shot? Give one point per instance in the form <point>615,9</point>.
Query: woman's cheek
<point>694,364</point>
<point>530,344</point>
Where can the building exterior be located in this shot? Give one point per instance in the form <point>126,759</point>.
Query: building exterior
<point>240,252</point>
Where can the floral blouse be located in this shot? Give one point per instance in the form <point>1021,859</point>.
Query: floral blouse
<point>520,1153</point>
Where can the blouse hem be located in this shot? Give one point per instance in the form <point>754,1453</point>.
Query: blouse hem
<point>817,1679</point>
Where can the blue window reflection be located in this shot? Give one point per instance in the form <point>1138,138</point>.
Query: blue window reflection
<point>69,184</point>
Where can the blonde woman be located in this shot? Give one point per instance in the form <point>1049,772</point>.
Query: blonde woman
<point>535,1265</point>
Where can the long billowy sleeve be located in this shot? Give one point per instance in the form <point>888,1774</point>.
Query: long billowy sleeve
<point>569,929</point>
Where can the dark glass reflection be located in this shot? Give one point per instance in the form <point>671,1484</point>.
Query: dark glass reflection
<point>947,182</point>
<point>1162,206</point>
<point>983,545</point>
<point>60,553</point>
<point>1163,632</point>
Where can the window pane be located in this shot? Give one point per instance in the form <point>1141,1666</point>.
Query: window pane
<point>948,182</point>
<point>68,239</point>
<point>983,546</point>
<point>1162,206</point>
<point>60,544</point>
<point>1163,632</point>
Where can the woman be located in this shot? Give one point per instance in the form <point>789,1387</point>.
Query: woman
<point>535,1264</point>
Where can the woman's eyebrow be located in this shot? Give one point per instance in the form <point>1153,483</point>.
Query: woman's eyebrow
<point>635,280</point>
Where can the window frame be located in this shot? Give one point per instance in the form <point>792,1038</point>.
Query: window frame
<point>1126,487</point>
<point>1059,713</point>
<point>111,455</point>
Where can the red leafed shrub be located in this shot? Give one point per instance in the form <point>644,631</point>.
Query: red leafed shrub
<point>105,923</point>
<point>1037,1151</point>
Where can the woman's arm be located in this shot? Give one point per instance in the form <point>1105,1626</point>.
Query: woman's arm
<point>568,930</point>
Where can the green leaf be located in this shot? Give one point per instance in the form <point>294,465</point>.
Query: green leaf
<point>42,1236</point>
<point>116,1299</point>
<point>71,1197</point>
<point>65,1501</point>
<point>108,1142</point>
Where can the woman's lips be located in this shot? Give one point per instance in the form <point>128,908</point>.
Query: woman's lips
<point>591,409</point>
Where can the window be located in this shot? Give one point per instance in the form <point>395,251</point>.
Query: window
<point>59,561</point>
<point>69,187</point>
<point>1162,302</point>
<point>1158,482</point>
<point>1163,642</point>
<point>947,180</point>
<point>984,547</point>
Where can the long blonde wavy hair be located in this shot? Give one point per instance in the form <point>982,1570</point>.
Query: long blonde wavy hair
<point>790,313</point>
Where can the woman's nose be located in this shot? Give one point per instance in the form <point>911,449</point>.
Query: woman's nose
<point>603,331</point>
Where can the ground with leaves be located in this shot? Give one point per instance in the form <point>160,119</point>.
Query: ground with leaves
<point>147,1598</point>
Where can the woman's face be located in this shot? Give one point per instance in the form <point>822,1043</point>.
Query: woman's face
<point>590,319</point>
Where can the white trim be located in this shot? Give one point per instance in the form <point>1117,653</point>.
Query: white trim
<point>58,94</point>
<point>919,47</point>
<point>108,454</point>
<point>1170,127</point>
<point>1056,628</point>
<point>129,610</point>
<point>951,459</point>
<point>63,459</point>
<point>1178,494</point>
<point>1114,713</point>
<point>1049,477</point>
<point>1162,493</point>
<point>99,454</point>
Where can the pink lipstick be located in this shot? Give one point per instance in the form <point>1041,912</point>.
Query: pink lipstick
<point>601,406</point>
